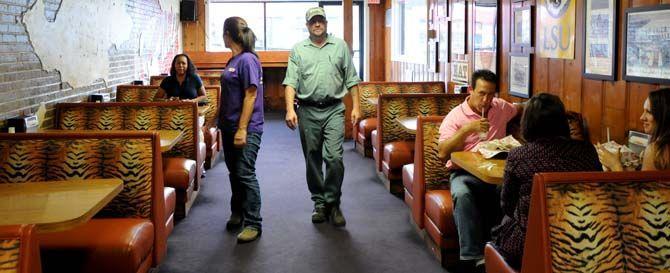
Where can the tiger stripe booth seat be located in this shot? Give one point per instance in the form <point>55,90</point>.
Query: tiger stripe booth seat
<point>393,146</point>
<point>182,165</point>
<point>129,233</point>
<point>212,134</point>
<point>19,251</point>
<point>595,222</point>
<point>426,187</point>
<point>362,130</point>
<point>136,93</point>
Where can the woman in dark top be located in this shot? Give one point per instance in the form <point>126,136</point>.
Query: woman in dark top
<point>549,148</point>
<point>183,82</point>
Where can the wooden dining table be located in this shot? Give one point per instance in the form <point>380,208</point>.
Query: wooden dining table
<point>408,123</point>
<point>55,205</point>
<point>488,170</point>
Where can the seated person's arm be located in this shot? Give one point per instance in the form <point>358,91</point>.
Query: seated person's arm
<point>456,141</point>
<point>202,95</point>
<point>161,94</point>
<point>648,158</point>
<point>610,160</point>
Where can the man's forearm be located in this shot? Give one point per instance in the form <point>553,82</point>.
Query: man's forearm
<point>289,97</point>
<point>449,145</point>
<point>354,96</point>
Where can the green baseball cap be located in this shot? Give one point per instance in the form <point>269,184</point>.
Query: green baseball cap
<point>314,12</point>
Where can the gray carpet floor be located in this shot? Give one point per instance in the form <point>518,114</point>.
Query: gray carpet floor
<point>377,237</point>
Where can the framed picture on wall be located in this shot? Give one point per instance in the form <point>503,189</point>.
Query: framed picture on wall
<point>519,75</point>
<point>485,40</point>
<point>647,44</point>
<point>459,71</point>
<point>600,39</point>
<point>521,27</point>
<point>458,27</point>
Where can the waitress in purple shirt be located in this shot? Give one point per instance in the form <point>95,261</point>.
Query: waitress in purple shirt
<point>241,121</point>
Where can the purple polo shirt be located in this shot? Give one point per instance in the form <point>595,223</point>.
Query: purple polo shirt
<point>242,71</point>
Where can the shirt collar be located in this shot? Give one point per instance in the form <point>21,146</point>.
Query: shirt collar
<point>308,42</point>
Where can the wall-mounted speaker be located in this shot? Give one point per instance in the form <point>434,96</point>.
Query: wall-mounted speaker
<point>188,10</point>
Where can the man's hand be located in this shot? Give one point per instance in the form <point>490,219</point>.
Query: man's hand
<point>291,119</point>
<point>355,115</point>
<point>240,138</point>
<point>478,126</point>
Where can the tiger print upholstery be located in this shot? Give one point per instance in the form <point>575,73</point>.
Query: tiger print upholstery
<point>176,115</point>
<point>368,90</point>
<point>213,80</point>
<point>133,157</point>
<point>61,159</point>
<point>599,222</point>
<point>136,93</point>
<point>393,106</point>
<point>368,110</point>
<point>430,172</point>
<point>19,251</point>
<point>9,255</point>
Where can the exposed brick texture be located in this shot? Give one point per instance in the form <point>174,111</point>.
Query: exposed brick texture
<point>24,84</point>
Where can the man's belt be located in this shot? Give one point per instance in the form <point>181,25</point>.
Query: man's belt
<point>319,104</point>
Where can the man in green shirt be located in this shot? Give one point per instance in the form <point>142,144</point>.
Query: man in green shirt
<point>319,74</point>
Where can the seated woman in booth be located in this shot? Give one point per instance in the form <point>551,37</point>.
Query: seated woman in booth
<point>183,82</point>
<point>655,121</point>
<point>549,148</point>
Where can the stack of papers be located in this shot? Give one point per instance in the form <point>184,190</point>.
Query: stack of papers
<point>491,148</point>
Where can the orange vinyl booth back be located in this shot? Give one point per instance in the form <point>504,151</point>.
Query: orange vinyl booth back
<point>393,146</point>
<point>147,93</point>
<point>183,163</point>
<point>595,222</point>
<point>362,130</point>
<point>129,233</point>
<point>19,251</point>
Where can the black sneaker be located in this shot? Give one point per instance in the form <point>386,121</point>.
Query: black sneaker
<point>234,222</point>
<point>336,217</point>
<point>318,215</point>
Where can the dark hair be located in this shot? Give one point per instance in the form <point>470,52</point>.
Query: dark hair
<point>659,101</point>
<point>484,74</point>
<point>576,122</point>
<point>240,33</point>
<point>190,70</point>
<point>544,117</point>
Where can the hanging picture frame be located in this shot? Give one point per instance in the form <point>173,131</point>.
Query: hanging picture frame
<point>522,27</point>
<point>600,39</point>
<point>646,51</point>
<point>519,75</point>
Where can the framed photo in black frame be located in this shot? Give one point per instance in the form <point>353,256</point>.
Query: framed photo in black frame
<point>647,44</point>
<point>522,27</point>
<point>519,75</point>
<point>600,40</point>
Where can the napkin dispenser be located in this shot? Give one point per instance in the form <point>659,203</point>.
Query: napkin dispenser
<point>22,124</point>
<point>100,97</point>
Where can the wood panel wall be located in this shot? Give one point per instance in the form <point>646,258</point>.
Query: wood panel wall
<point>616,105</point>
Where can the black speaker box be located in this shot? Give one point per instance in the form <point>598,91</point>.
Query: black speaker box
<point>188,10</point>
